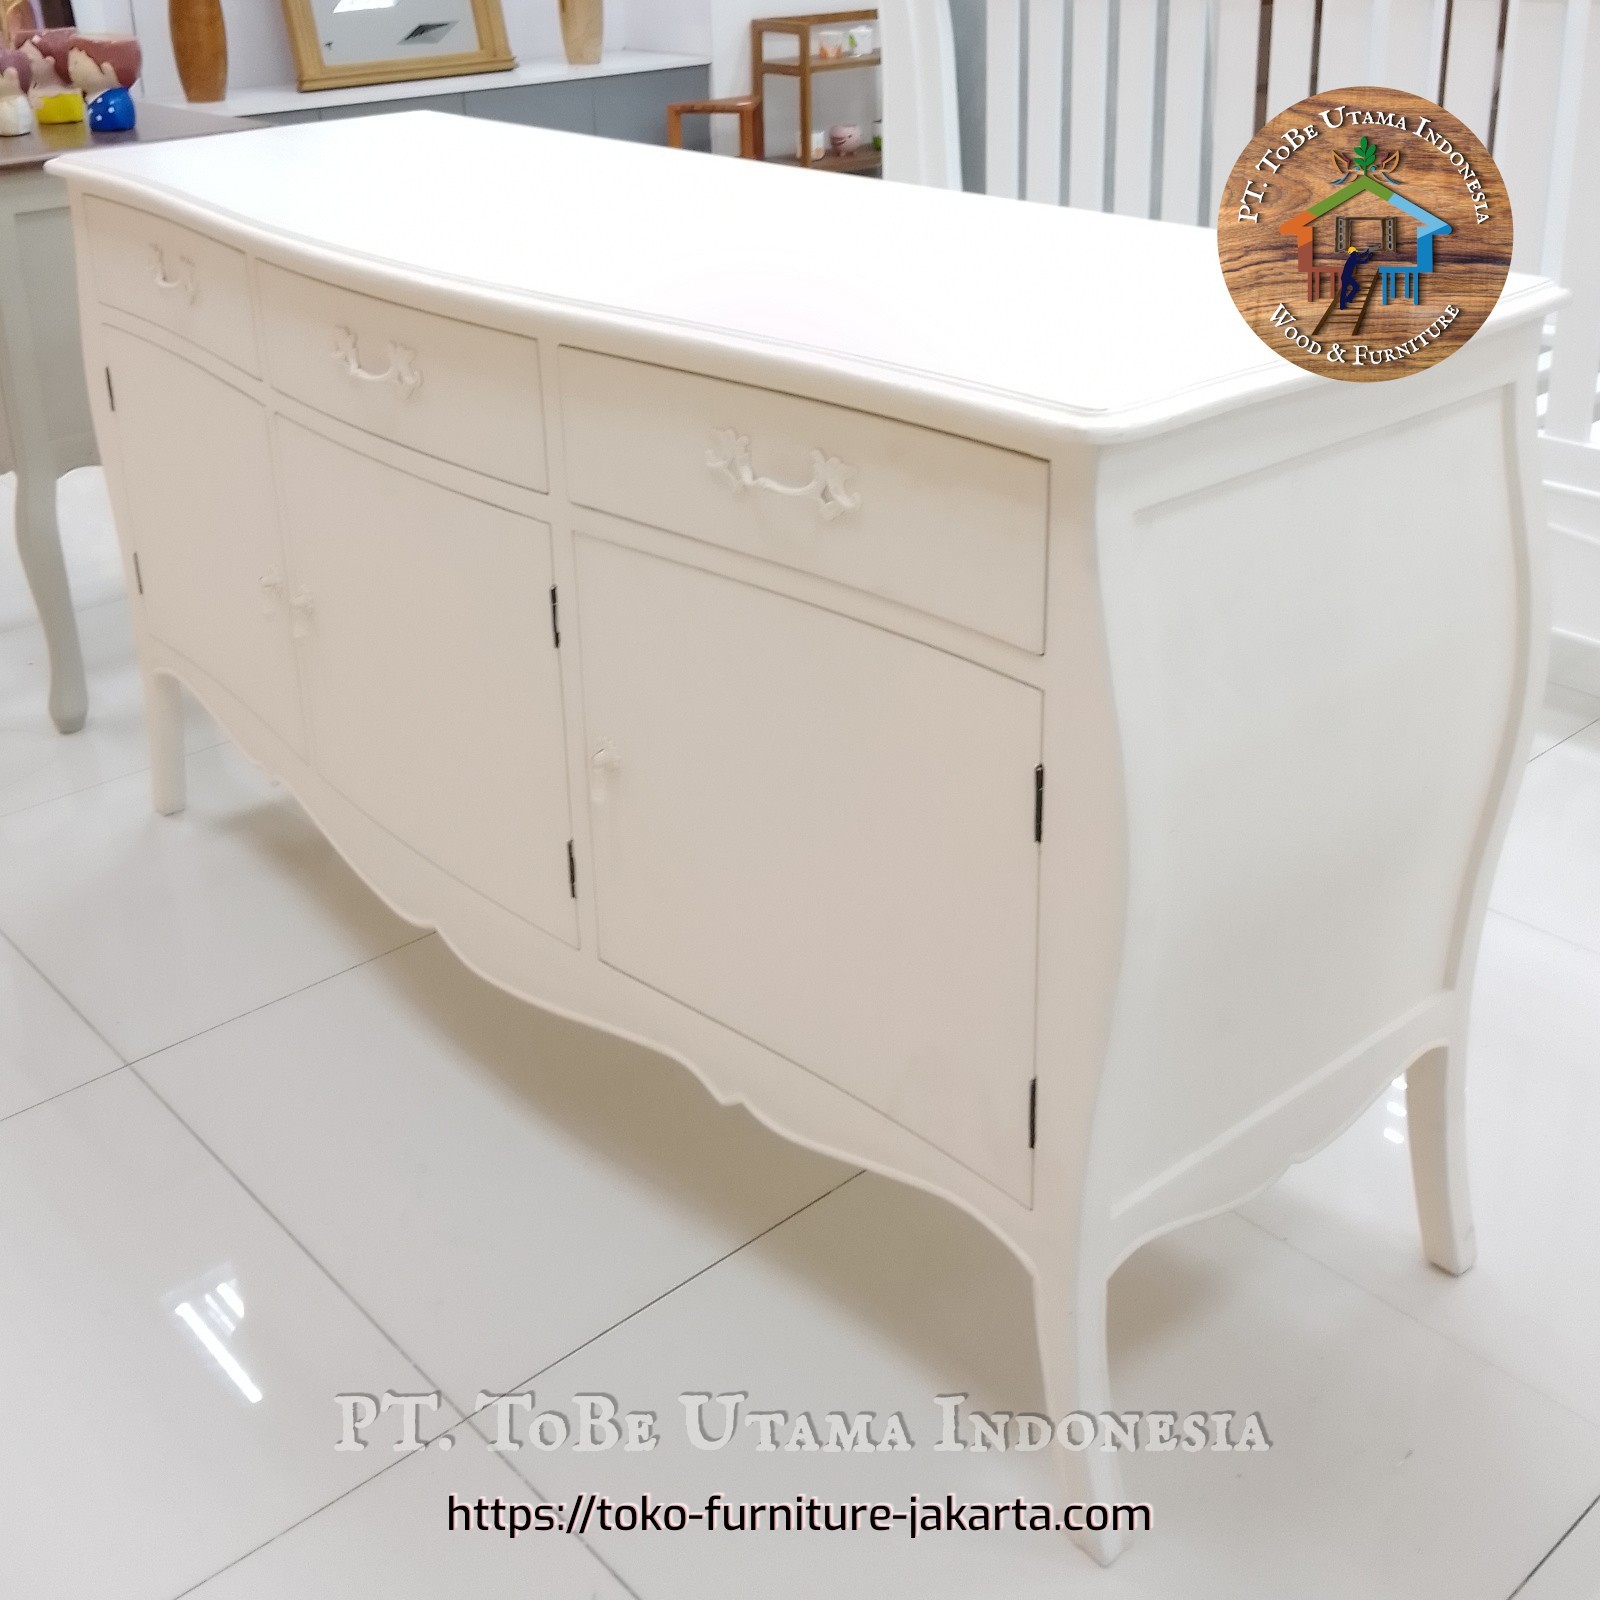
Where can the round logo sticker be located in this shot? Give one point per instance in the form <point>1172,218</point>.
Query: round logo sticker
<point>1365,234</point>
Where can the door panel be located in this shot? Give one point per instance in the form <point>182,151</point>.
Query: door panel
<point>432,678</point>
<point>820,834</point>
<point>196,472</point>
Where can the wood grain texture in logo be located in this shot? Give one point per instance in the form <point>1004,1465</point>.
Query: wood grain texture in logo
<point>1365,234</point>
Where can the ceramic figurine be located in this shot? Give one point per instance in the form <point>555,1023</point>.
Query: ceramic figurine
<point>112,111</point>
<point>16,115</point>
<point>46,50</point>
<point>97,62</point>
<point>59,105</point>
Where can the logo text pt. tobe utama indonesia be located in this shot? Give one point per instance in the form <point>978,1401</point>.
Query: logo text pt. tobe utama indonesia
<point>1364,234</point>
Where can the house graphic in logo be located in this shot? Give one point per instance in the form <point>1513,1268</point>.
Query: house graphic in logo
<point>1335,241</point>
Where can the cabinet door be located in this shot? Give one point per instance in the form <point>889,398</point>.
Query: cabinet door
<point>431,670</point>
<point>195,467</point>
<point>822,835</point>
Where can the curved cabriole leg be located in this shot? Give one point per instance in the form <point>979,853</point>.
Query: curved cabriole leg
<point>1071,1319</point>
<point>1436,1106</point>
<point>39,548</point>
<point>163,712</point>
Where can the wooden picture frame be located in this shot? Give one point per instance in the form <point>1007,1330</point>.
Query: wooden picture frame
<point>493,53</point>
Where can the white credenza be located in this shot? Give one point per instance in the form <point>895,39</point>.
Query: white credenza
<point>915,659</point>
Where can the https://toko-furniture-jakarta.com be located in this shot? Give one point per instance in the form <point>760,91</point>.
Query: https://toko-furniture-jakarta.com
<point>935,683</point>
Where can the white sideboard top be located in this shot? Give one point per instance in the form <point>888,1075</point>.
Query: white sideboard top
<point>1116,324</point>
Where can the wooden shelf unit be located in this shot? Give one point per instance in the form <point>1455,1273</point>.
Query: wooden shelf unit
<point>802,67</point>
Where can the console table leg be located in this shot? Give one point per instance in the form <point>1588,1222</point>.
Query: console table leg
<point>1071,1321</point>
<point>1436,1117</point>
<point>38,537</point>
<point>39,547</point>
<point>163,710</point>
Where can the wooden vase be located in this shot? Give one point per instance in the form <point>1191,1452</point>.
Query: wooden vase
<point>200,46</point>
<point>583,26</point>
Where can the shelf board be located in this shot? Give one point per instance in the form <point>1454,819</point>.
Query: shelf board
<point>857,161</point>
<point>791,69</point>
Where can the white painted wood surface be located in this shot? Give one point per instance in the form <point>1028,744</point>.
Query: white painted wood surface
<point>1091,940</point>
<point>1535,103</point>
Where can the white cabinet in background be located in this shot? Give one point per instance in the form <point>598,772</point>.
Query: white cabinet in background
<point>956,708</point>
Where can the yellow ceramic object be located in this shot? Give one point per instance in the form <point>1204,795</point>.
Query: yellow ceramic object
<point>64,107</point>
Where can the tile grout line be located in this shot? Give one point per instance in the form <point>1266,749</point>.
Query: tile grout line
<point>117,777</point>
<point>55,989</point>
<point>550,1366</point>
<point>124,1063</point>
<point>1412,1317</point>
<point>655,1300</point>
<point>1548,933</point>
<point>1582,1516</point>
<point>464,1416</point>
<point>345,1494</point>
<point>1563,740</point>
<point>290,1234</point>
<point>292,994</point>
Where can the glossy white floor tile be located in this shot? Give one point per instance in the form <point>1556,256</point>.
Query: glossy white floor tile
<point>494,1185</point>
<point>46,1048</point>
<point>390,1539</point>
<point>1532,1303</point>
<point>1549,875</point>
<point>171,1357</point>
<point>158,927</point>
<point>36,762</point>
<point>1401,1465</point>
<point>1564,712</point>
<point>1572,1569</point>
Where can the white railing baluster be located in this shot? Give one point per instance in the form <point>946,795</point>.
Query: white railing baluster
<point>1046,71</point>
<point>1289,65</point>
<point>1136,108</point>
<point>1088,104</point>
<point>1347,44</point>
<point>1572,229</point>
<point>1525,135</point>
<point>1470,71</point>
<point>920,103</point>
<point>1003,81</point>
<point>1235,39</point>
<point>1182,182</point>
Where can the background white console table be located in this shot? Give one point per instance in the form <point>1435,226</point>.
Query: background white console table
<point>957,712</point>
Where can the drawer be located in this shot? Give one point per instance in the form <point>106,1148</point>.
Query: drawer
<point>448,389</point>
<point>174,277</point>
<point>943,524</point>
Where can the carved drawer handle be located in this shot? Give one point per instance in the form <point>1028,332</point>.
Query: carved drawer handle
<point>605,760</point>
<point>300,608</point>
<point>729,458</point>
<point>184,283</point>
<point>401,371</point>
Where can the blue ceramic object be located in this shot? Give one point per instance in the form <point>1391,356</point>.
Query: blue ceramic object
<point>111,111</point>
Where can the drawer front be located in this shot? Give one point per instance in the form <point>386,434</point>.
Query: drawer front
<point>176,278</point>
<point>448,389</point>
<point>940,523</point>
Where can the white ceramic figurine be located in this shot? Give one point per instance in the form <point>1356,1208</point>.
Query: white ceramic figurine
<point>16,115</point>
